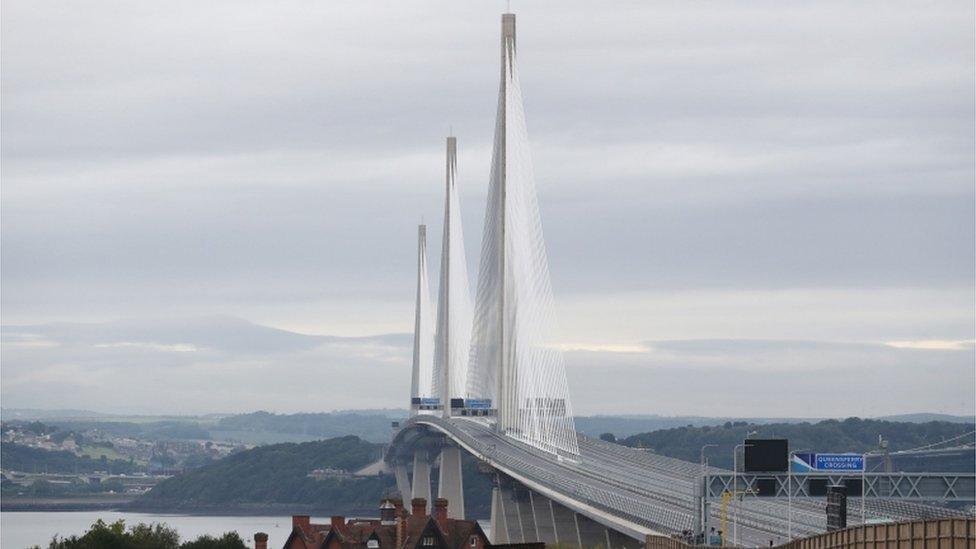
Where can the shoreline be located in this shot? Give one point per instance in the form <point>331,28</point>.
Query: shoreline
<point>64,504</point>
<point>125,505</point>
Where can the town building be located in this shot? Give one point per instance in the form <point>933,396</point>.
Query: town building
<point>395,529</point>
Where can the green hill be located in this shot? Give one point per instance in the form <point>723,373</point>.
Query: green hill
<point>16,457</point>
<point>276,477</point>
<point>848,435</point>
<point>371,426</point>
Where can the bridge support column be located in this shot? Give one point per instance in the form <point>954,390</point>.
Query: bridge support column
<point>621,541</point>
<point>591,533</point>
<point>545,529</point>
<point>403,480</point>
<point>421,476</point>
<point>450,485</point>
<point>523,499</point>
<point>499,530</point>
<point>510,510</point>
<point>564,522</point>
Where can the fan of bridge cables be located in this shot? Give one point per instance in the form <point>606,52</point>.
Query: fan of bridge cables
<point>514,357</point>
<point>421,382</point>
<point>453,338</point>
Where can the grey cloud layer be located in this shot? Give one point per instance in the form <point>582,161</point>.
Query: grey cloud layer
<point>272,161</point>
<point>221,364</point>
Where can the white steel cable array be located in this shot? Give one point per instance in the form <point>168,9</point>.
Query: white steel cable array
<point>421,379</point>
<point>452,343</point>
<point>514,358</point>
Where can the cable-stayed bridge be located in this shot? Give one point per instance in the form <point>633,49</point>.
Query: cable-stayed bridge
<point>489,380</point>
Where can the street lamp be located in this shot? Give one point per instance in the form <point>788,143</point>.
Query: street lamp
<point>789,494</point>
<point>702,504</point>
<point>735,492</point>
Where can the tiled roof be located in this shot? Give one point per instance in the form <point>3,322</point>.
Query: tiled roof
<point>355,533</point>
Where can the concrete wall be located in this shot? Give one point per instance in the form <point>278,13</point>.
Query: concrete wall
<point>923,534</point>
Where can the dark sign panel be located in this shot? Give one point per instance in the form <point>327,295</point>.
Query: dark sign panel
<point>854,487</point>
<point>836,508</point>
<point>766,455</point>
<point>766,487</point>
<point>817,487</point>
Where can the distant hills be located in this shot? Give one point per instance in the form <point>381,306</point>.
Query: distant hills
<point>627,425</point>
<point>34,460</point>
<point>276,476</point>
<point>924,418</point>
<point>848,435</point>
<point>373,424</point>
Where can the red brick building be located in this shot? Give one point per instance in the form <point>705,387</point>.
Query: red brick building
<point>395,529</point>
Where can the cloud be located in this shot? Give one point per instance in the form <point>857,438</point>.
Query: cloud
<point>203,364</point>
<point>955,345</point>
<point>770,378</point>
<point>748,171</point>
<point>237,366</point>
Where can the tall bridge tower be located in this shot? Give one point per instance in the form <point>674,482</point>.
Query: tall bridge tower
<point>452,344</point>
<point>515,360</point>
<point>423,340</point>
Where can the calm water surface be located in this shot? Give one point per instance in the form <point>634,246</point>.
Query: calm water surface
<point>25,529</point>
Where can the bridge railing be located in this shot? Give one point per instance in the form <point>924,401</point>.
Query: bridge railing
<point>947,533</point>
<point>920,533</point>
<point>904,486</point>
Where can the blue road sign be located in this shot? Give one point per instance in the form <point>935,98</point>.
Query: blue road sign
<point>808,462</point>
<point>840,462</point>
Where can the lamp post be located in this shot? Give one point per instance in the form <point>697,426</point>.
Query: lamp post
<point>789,494</point>
<point>703,504</point>
<point>864,489</point>
<point>735,493</point>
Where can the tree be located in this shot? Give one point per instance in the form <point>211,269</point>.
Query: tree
<point>608,437</point>
<point>230,540</point>
<point>115,536</point>
<point>142,536</point>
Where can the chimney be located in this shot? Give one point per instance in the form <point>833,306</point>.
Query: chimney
<point>440,513</point>
<point>401,526</point>
<point>302,522</point>
<point>419,506</point>
<point>338,522</point>
<point>260,540</point>
<point>398,505</point>
<point>387,513</point>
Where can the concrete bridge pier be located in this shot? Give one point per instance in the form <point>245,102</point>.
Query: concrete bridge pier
<point>421,476</point>
<point>402,475</point>
<point>519,515</point>
<point>499,530</point>
<point>450,485</point>
<point>506,521</point>
<point>564,524</point>
<point>545,527</point>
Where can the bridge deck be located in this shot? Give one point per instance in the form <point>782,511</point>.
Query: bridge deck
<point>647,492</point>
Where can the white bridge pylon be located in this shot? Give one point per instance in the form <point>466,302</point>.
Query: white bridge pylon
<point>452,342</point>
<point>505,351</point>
<point>421,378</point>
<point>514,357</point>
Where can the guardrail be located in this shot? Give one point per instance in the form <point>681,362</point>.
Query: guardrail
<point>916,486</point>
<point>936,534</point>
<point>948,533</point>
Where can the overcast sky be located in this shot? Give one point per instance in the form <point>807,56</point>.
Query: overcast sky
<point>766,204</point>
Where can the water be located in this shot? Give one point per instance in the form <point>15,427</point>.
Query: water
<point>25,529</point>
